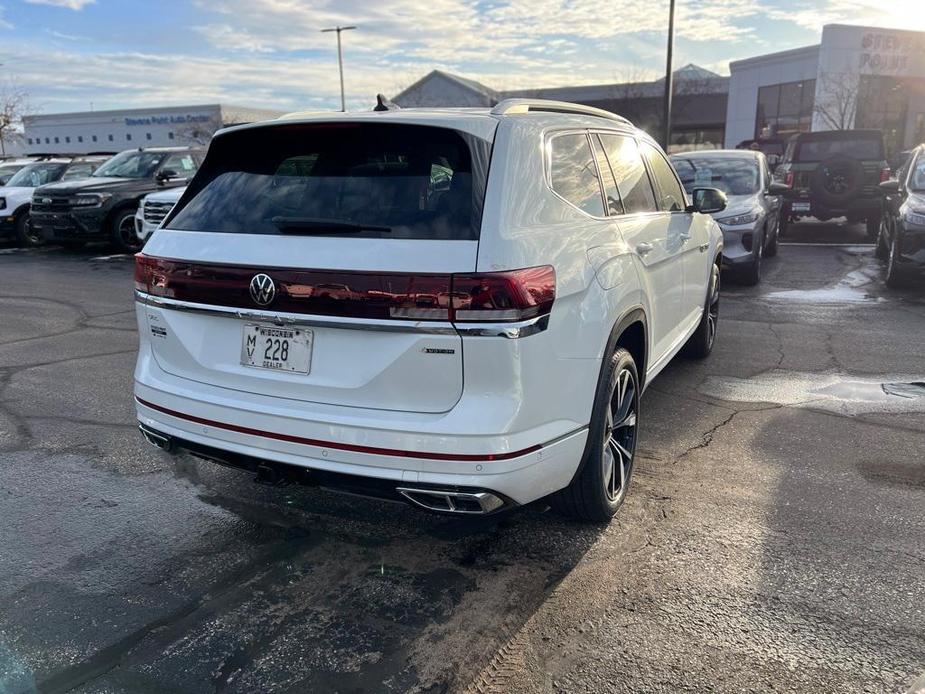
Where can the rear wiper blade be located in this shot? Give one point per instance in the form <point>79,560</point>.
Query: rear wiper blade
<point>317,225</point>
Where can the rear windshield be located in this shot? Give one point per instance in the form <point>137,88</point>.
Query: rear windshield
<point>867,148</point>
<point>343,179</point>
<point>731,175</point>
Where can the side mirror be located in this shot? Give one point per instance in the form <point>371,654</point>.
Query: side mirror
<point>778,189</point>
<point>707,200</point>
<point>889,187</point>
<point>773,161</point>
<point>166,174</point>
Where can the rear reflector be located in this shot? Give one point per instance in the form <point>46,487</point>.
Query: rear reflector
<point>496,296</point>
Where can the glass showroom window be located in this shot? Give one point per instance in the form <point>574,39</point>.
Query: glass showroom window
<point>785,109</point>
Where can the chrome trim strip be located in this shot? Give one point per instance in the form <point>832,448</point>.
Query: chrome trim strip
<point>511,331</point>
<point>312,321</point>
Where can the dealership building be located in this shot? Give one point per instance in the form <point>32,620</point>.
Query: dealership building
<point>856,77</point>
<point>114,131</point>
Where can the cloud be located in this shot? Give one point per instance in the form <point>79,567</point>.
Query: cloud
<point>3,23</point>
<point>69,4</point>
<point>812,14</point>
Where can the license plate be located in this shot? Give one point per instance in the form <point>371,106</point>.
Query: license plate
<point>277,349</point>
<point>800,207</point>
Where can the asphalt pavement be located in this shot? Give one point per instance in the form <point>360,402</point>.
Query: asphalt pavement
<point>773,538</point>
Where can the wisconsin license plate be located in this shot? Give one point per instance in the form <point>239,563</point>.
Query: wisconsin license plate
<point>275,348</point>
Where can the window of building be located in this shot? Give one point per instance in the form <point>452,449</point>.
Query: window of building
<point>883,104</point>
<point>785,109</point>
<point>573,173</point>
<point>128,136</point>
<point>147,136</point>
<point>632,179</point>
<point>57,140</point>
<point>670,195</point>
<point>47,141</point>
<point>67,139</point>
<point>170,135</point>
<point>110,138</point>
<point>93,137</point>
<point>80,138</point>
<point>30,140</point>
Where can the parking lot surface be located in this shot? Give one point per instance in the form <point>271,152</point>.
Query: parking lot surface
<point>773,539</point>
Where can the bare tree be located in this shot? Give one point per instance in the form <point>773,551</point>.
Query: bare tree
<point>14,102</point>
<point>836,101</point>
<point>199,133</point>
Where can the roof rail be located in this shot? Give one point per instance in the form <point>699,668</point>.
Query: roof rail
<point>511,106</point>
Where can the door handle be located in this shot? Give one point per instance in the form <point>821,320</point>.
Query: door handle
<point>644,248</point>
<point>704,247</point>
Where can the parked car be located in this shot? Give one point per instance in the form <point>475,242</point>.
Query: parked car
<point>901,241</point>
<point>771,147</point>
<point>751,220</point>
<point>103,206</point>
<point>834,174</point>
<point>560,269</point>
<point>8,167</point>
<point>153,209</point>
<point>16,197</point>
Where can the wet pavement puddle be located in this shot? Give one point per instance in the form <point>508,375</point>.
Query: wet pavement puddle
<point>851,289</point>
<point>832,392</point>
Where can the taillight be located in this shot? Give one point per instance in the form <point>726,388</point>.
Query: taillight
<point>788,181</point>
<point>884,174</point>
<point>495,296</point>
<point>504,296</point>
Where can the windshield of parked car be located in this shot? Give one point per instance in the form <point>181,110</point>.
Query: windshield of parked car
<point>733,176</point>
<point>131,164</point>
<point>856,147</point>
<point>6,172</point>
<point>36,175</point>
<point>366,180</point>
<point>917,179</point>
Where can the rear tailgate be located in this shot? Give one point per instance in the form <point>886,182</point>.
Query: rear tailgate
<point>363,311</point>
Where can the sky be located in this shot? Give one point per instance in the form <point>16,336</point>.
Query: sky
<point>67,54</point>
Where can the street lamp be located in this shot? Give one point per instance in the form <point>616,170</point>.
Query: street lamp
<point>669,78</point>
<point>340,62</point>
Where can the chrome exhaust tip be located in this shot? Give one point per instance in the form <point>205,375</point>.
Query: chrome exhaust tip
<point>446,501</point>
<point>156,439</point>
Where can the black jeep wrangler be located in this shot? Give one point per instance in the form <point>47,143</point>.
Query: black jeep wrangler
<point>834,174</point>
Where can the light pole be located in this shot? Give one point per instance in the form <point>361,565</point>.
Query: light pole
<point>669,78</point>
<point>340,62</point>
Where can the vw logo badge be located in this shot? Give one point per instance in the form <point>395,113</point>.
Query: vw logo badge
<point>263,290</point>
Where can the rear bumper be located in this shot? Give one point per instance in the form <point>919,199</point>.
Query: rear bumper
<point>859,207</point>
<point>517,476</point>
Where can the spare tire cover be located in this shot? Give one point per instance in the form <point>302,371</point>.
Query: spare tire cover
<point>837,180</point>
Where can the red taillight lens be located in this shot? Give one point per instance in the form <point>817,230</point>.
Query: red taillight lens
<point>504,296</point>
<point>496,296</point>
<point>884,175</point>
<point>788,181</point>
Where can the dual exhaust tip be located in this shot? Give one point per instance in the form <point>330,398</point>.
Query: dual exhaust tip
<point>436,500</point>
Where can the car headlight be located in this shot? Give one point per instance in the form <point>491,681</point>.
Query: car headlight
<point>748,218</point>
<point>910,217</point>
<point>90,199</point>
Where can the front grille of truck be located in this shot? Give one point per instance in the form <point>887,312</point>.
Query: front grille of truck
<point>46,203</point>
<point>154,212</point>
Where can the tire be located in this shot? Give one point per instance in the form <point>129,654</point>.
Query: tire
<point>751,275</point>
<point>873,227</point>
<point>26,237</point>
<point>771,250</point>
<point>836,181</point>
<point>122,232</point>
<point>895,275</point>
<point>783,226</point>
<point>600,486</point>
<point>700,344</point>
<point>880,248</point>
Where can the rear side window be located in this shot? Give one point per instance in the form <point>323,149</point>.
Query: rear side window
<point>573,173</point>
<point>632,179</point>
<point>670,196</point>
<point>380,180</point>
<point>856,147</point>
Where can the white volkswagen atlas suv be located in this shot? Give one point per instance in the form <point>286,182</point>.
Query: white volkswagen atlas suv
<point>458,308</point>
